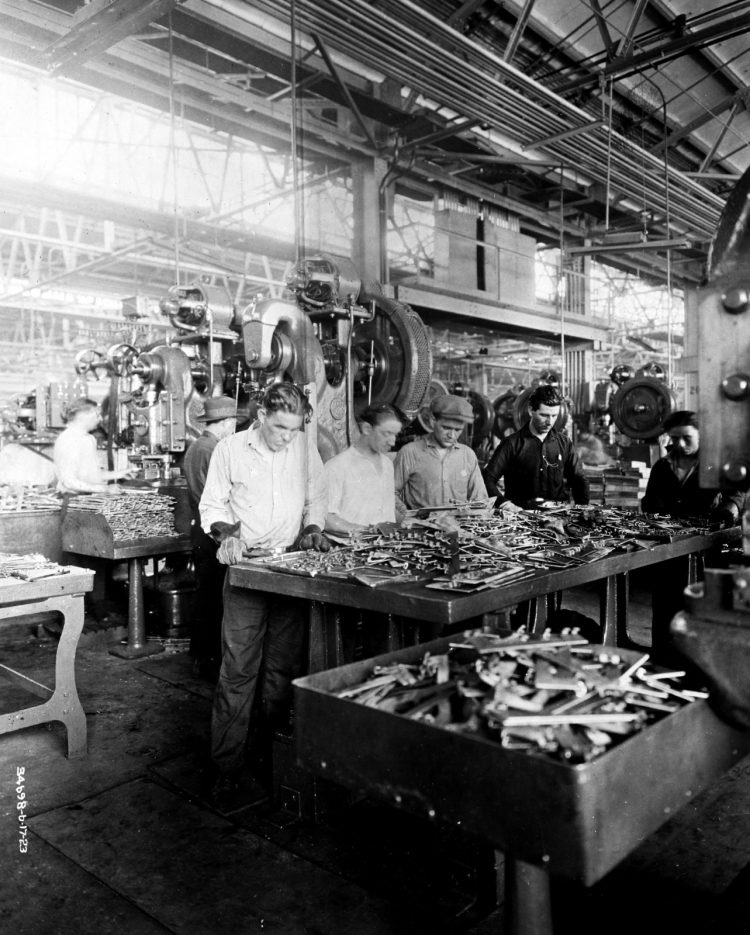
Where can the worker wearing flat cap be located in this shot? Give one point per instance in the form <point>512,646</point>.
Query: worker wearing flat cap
<point>436,469</point>
<point>219,419</point>
<point>538,462</point>
<point>265,490</point>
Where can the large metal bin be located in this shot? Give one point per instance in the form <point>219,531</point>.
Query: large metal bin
<point>576,821</point>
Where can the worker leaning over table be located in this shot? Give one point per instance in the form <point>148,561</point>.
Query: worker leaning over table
<point>264,489</point>
<point>437,469</point>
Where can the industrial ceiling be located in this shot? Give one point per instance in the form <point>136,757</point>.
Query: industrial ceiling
<point>615,129</point>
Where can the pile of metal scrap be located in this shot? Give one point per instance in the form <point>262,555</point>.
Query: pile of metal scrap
<point>16,498</point>
<point>559,696</point>
<point>131,515</point>
<point>465,551</point>
<point>398,554</point>
<point>27,568</point>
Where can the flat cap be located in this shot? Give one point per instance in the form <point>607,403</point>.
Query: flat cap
<point>217,408</point>
<point>452,407</point>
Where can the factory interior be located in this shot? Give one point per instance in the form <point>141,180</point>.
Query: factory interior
<point>262,262</point>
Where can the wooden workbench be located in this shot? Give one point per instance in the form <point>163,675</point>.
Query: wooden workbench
<point>88,533</point>
<point>414,601</point>
<point>62,594</point>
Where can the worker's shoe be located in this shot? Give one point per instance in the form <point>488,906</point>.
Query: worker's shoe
<point>231,793</point>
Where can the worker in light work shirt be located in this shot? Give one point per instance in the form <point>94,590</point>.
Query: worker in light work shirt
<point>219,418</point>
<point>360,480</point>
<point>264,489</point>
<point>436,469</point>
<point>76,464</point>
<point>538,462</point>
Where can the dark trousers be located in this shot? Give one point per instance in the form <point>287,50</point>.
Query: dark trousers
<point>263,639</point>
<point>205,635</point>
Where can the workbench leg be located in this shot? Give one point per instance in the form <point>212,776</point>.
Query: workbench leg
<point>325,648</point>
<point>528,905</point>
<point>137,645</point>
<point>614,598</point>
<point>65,697</point>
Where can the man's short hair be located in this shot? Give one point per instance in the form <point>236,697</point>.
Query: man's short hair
<point>545,395</point>
<point>682,417</point>
<point>286,397</point>
<point>374,415</point>
<point>82,404</point>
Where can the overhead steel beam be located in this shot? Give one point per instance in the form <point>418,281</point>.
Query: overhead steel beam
<point>466,9</point>
<point>622,67</point>
<point>344,90</point>
<point>610,45</point>
<point>706,117</point>
<point>518,28</point>
<point>635,17</point>
<point>709,157</point>
<point>99,25</point>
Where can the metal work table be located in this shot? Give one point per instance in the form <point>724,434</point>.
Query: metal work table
<point>547,816</point>
<point>414,601</point>
<point>63,594</point>
<point>85,533</point>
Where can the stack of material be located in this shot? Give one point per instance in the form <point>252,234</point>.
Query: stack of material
<point>16,498</point>
<point>615,487</point>
<point>132,515</point>
<point>27,568</point>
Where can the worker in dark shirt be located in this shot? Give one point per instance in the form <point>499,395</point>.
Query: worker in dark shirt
<point>538,462</point>
<point>673,489</point>
<point>219,418</point>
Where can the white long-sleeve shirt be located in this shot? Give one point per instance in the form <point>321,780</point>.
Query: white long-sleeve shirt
<point>360,491</point>
<point>266,491</point>
<point>76,465</point>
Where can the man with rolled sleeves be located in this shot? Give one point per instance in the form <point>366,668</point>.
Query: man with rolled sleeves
<point>436,469</point>
<point>219,418</point>
<point>264,490</point>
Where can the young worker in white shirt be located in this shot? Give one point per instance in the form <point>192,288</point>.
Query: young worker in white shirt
<point>263,490</point>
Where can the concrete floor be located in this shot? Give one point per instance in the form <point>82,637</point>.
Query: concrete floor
<point>122,841</point>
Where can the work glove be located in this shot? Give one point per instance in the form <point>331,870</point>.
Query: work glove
<point>312,538</point>
<point>231,551</point>
<point>221,531</point>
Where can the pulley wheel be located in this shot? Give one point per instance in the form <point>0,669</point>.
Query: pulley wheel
<point>640,407</point>
<point>401,353</point>
<point>503,407</point>
<point>484,416</point>
<point>521,410</point>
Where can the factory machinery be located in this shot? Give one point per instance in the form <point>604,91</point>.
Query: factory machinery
<point>347,346</point>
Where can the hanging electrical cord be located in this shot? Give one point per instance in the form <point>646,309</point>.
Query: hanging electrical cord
<point>667,221</point>
<point>299,216</point>
<point>608,119</point>
<point>173,154</point>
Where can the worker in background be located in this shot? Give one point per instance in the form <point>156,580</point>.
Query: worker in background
<point>264,489</point>
<point>538,462</point>
<point>435,469</point>
<point>76,463</point>
<point>360,480</point>
<point>673,485</point>
<point>673,489</point>
<point>589,447</point>
<point>219,419</point>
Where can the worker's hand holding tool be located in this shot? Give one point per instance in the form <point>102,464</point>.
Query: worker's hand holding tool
<point>313,538</point>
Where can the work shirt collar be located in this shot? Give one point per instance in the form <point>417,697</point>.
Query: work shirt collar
<point>432,442</point>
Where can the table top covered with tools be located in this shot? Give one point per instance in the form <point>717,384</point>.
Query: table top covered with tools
<point>449,568</point>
